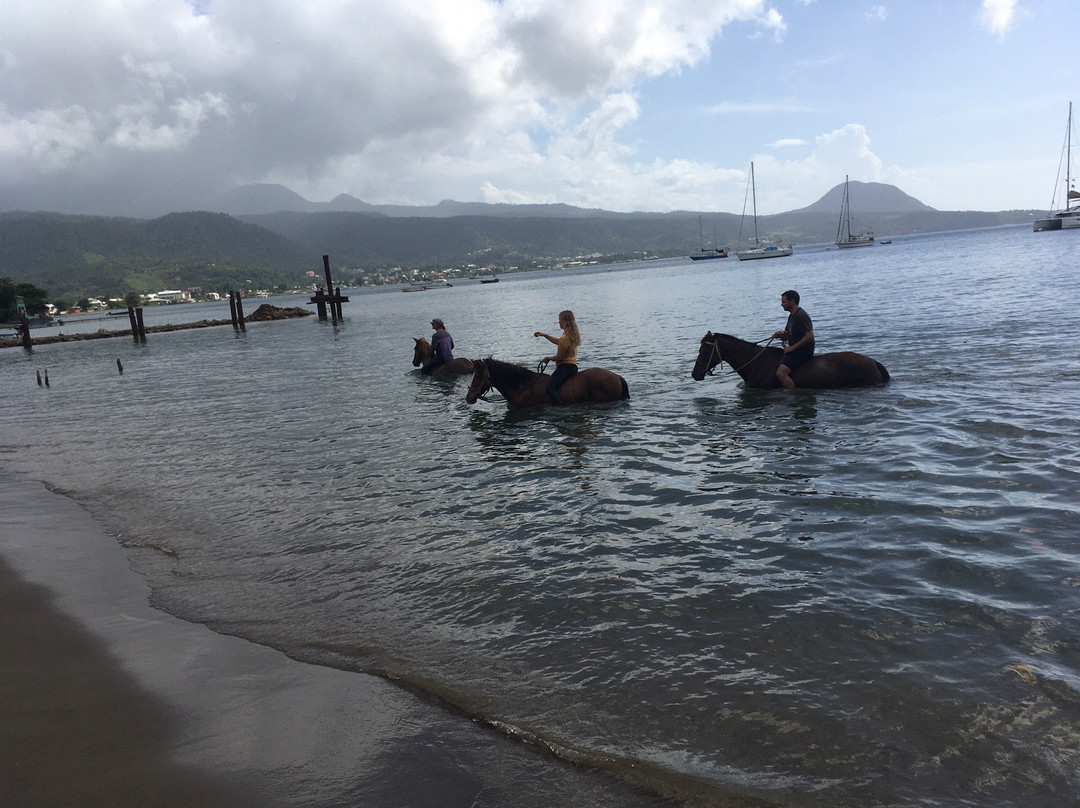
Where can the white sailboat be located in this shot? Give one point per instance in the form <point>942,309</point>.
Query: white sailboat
<point>844,236</point>
<point>759,250</point>
<point>1069,217</point>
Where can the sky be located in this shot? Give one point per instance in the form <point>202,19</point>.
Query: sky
<point>142,107</point>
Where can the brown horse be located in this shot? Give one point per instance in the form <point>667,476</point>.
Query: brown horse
<point>522,387</point>
<point>757,365</point>
<point>422,356</point>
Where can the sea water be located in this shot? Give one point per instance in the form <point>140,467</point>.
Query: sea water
<point>857,597</point>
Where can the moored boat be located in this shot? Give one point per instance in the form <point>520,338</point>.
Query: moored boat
<point>704,254</point>
<point>844,237</point>
<point>760,249</point>
<point>1067,218</point>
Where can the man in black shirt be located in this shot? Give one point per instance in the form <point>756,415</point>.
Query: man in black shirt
<point>799,336</point>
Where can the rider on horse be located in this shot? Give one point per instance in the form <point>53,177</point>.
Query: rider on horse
<point>442,347</point>
<point>565,357</point>
<point>799,336</point>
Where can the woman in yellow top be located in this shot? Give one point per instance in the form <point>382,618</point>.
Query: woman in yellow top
<point>565,357</point>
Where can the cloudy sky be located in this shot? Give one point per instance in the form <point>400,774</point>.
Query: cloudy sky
<point>139,107</point>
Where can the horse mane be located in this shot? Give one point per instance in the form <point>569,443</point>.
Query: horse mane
<point>507,373</point>
<point>747,343</point>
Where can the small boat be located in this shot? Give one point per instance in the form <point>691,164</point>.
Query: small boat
<point>705,254</point>
<point>844,236</point>
<point>759,251</point>
<point>1069,217</point>
<point>416,287</point>
<point>489,279</point>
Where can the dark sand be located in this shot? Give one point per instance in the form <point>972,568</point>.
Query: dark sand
<point>107,701</point>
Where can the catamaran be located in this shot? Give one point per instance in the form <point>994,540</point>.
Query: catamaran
<point>1069,217</point>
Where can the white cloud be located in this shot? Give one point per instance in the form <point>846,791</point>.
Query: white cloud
<point>997,15</point>
<point>384,99</point>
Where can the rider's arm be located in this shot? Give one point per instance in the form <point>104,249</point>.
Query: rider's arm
<point>808,337</point>
<point>548,337</point>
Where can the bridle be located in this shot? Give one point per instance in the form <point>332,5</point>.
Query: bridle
<point>720,359</point>
<point>485,382</point>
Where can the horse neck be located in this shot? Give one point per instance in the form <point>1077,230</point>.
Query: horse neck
<point>508,379</point>
<point>747,359</point>
<point>425,348</point>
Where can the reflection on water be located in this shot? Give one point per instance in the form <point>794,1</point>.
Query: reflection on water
<point>818,598</point>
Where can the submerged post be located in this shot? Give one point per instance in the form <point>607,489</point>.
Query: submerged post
<point>240,313</point>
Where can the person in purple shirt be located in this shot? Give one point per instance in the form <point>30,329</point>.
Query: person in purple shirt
<point>442,347</point>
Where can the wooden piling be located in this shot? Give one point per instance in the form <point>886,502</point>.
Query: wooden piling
<point>134,323</point>
<point>139,322</point>
<point>240,312</point>
<point>232,311</point>
<point>24,333</point>
<point>329,296</point>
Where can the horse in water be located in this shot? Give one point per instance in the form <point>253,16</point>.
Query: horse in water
<point>757,365</point>
<point>522,387</point>
<point>422,356</point>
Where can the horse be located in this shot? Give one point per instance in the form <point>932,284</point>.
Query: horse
<point>422,356</point>
<point>522,387</point>
<point>757,365</point>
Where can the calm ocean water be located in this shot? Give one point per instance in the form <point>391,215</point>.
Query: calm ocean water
<point>862,597</point>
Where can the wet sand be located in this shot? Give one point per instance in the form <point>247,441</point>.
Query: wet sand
<point>107,701</point>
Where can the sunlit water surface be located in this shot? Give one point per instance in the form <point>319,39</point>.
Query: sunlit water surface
<point>863,597</point>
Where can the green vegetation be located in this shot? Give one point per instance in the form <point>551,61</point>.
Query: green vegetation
<point>77,257</point>
<point>33,298</point>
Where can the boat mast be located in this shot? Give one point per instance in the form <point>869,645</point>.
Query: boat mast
<point>753,188</point>
<point>1068,160</point>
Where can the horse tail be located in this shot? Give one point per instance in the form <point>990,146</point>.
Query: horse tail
<point>625,388</point>
<point>884,373</point>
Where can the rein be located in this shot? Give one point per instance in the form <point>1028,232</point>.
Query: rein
<point>509,399</point>
<point>720,359</point>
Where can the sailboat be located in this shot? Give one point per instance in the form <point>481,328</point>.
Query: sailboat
<point>759,251</point>
<point>844,236</point>
<point>702,254</point>
<point>1068,218</point>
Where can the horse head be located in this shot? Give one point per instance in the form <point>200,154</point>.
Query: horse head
<point>420,351</point>
<point>481,381</point>
<point>708,356</point>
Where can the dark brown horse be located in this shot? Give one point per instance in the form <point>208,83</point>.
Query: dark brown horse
<point>522,387</point>
<point>422,356</point>
<point>757,365</point>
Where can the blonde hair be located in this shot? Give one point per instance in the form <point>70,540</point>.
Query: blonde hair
<point>570,328</point>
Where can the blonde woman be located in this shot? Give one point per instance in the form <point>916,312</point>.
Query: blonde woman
<point>565,357</point>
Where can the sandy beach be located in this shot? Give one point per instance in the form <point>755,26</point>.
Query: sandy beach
<point>105,700</point>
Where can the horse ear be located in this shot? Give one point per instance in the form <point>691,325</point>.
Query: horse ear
<point>414,339</point>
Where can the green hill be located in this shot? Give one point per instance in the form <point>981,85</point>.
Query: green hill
<point>80,256</point>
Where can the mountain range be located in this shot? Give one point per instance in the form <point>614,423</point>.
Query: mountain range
<point>266,236</point>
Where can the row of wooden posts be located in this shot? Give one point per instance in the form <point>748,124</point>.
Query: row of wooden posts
<point>324,300</point>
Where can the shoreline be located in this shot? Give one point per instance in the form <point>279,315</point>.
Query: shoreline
<point>112,702</point>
